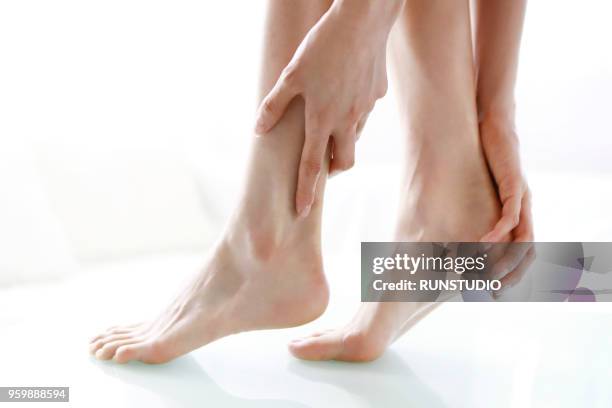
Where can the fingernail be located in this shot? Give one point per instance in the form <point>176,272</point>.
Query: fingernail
<point>305,211</point>
<point>333,174</point>
<point>259,127</point>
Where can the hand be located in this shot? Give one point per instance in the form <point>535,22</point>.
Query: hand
<point>501,148</point>
<point>340,71</point>
<point>507,262</point>
<point>511,266</point>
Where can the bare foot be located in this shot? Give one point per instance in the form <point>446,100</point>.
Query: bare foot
<point>238,290</point>
<point>448,194</point>
<point>377,325</point>
<point>446,200</point>
<point>266,273</point>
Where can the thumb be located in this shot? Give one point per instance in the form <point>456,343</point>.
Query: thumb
<point>273,106</point>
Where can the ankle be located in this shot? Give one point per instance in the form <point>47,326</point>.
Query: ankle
<point>270,239</point>
<point>448,202</point>
<point>457,217</point>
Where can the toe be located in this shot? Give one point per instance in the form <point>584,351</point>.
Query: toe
<point>321,346</point>
<point>97,338</point>
<point>97,345</point>
<point>114,330</point>
<point>320,333</point>
<point>130,352</point>
<point>356,346</point>
<point>311,335</point>
<point>125,354</point>
<point>108,351</point>
<point>150,352</point>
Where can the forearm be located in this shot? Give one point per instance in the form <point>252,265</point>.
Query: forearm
<point>499,25</point>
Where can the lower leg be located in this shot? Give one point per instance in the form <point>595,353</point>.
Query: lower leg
<point>447,193</point>
<point>266,271</point>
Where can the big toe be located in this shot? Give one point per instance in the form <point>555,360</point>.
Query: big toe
<point>326,346</point>
<point>129,352</point>
<point>349,345</point>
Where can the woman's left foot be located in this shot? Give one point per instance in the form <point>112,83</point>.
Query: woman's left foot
<point>460,206</point>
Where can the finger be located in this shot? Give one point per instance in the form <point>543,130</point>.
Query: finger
<point>360,125</point>
<point>512,257</point>
<point>518,273</point>
<point>524,231</point>
<point>311,165</point>
<point>343,157</point>
<point>510,217</point>
<point>274,105</point>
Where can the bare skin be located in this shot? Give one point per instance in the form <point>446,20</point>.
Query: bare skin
<point>447,193</point>
<point>497,37</point>
<point>340,71</point>
<point>266,272</point>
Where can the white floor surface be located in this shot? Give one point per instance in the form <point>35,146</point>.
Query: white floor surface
<point>463,355</point>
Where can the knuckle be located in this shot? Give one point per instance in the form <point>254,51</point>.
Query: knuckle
<point>316,123</point>
<point>354,114</point>
<point>290,76</point>
<point>512,186</point>
<point>312,166</point>
<point>369,105</point>
<point>531,254</point>
<point>268,105</point>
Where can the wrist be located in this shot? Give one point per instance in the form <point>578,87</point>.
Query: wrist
<point>496,122</point>
<point>495,96</point>
<point>500,111</point>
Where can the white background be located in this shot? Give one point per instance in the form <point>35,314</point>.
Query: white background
<point>124,128</point>
<point>139,116</point>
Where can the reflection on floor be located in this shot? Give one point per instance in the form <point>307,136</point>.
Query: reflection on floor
<point>463,355</point>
